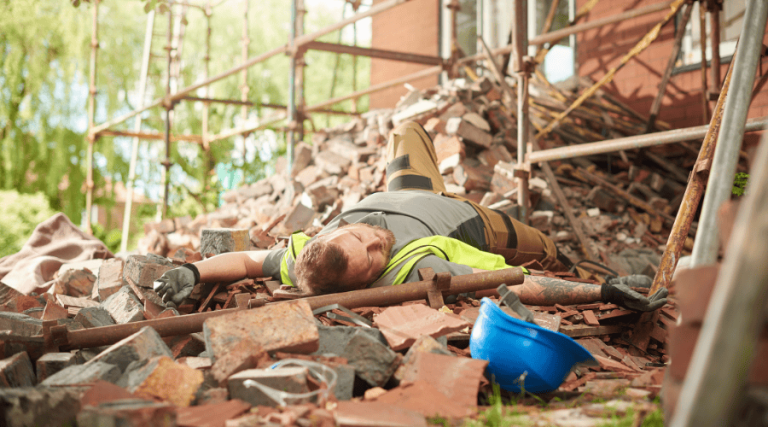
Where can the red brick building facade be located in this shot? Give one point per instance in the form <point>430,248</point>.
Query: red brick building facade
<point>415,27</point>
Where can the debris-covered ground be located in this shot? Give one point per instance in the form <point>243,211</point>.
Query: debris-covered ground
<point>404,364</point>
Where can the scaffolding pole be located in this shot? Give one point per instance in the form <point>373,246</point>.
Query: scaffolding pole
<point>137,128</point>
<point>522,68</point>
<point>245,43</point>
<point>291,88</point>
<point>206,67</point>
<point>703,44</point>
<point>732,133</point>
<point>168,107</point>
<point>91,137</point>
<point>300,41</point>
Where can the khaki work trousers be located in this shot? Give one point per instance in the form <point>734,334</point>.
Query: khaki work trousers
<point>412,165</point>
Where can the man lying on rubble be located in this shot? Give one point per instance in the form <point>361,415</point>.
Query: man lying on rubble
<point>384,239</point>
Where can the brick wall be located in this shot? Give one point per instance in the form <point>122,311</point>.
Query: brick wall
<point>600,49</point>
<point>411,27</point>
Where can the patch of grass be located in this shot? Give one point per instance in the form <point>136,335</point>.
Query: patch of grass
<point>654,419</point>
<point>498,415</point>
<point>615,420</point>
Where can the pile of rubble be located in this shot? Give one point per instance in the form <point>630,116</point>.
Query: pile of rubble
<point>271,359</point>
<point>625,202</point>
<point>81,350</point>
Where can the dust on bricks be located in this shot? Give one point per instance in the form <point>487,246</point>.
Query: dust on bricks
<point>84,374</point>
<point>287,326</point>
<point>39,406</point>
<point>16,371</point>
<point>110,278</point>
<point>52,363</point>
<point>142,345</point>
<point>124,307</point>
<point>161,378</point>
<point>143,270</point>
<point>222,240</point>
<point>94,317</point>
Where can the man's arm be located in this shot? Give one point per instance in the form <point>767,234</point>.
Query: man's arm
<point>539,290</point>
<point>175,285</point>
<point>232,266</point>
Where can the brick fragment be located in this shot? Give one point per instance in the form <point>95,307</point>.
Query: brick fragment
<point>124,307</point>
<point>103,391</point>
<point>245,355</point>
<point>16,371</point>
<point>373,362</point>
<point>211,414</point>
<point>468,132</point>
<point>185,345</point>
<point>75,283</point>
<point>54,311</point>
<point>290,380</point>
<point>403,325</point>
<point>333,339</point>
<point>142,345</point>
<point>39,406</point>
<point>353,414</point>
<point>20,324</point>
<point>67,301</point>
<point>612,365</point>
<point>143,270</point>
<point>94,317</point>
<point>15,301</point>
<point>590,318</point>
<point>52,363</point>
<point>128,413</point>
<point>161,378</point>
<point>213,396</point>
<point>424,398</point>
<point>110,278</point>
<point>84,374</point>
<point>605,388</point>
<point>223,240</point>
<point>287,326</point>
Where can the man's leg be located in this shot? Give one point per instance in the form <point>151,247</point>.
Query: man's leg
<point>411,160</point>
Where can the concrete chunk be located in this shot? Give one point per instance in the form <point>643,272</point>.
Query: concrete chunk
<point>333,339</point>
<point>143,270</point>
<point>94,317</point>
<point>16,371</point>
<point>374,362</point>
<point>52,363</point>
<point>290,380</point>
<point>161,378</point>
<point>110,278</point>
<point>83,374</point>
<point>39,407</point>
<point>128,413</point>
<point>287,326</point>
<point>124,307</point>
<point>142,345</point>
<point>222,240</point>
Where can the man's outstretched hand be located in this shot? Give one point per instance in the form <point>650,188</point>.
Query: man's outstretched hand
<point>175,285</point>
<point>617,291</point>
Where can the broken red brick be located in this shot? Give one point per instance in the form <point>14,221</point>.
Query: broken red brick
<point>16,371</point>
<point>170,382</point>
<point>612,365</point>
<point>287,326</point>
<point>245,355</point>
<point>402,325</point>
<point>354,414</point>
<point>102,392</point>
<point>54,311</point>
<point>590,318</point>
<point>211,415</point>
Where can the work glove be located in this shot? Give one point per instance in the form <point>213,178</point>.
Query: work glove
<point>633,281</point>
<point>175,285</point>
<point>617,291</point>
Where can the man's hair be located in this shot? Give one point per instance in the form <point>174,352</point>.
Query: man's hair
<point>320,268</point>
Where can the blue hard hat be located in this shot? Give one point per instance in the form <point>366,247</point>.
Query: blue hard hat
<point>513,347</point>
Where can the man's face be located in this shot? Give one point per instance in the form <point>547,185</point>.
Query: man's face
<point>367,248</point>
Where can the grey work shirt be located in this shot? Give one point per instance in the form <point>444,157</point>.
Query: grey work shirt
<point>410,215</point>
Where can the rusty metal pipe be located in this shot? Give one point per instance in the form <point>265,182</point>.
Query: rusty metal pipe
<point>693,193</point>
<point>389,295</point>
<point>191,323</point>
<point>632,142</point>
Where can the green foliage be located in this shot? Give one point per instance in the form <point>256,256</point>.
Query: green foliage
<point>740,184</point>
<point>45,46</point>
<point>654,419</point>
<point>19,215</point>
<point>110,238</point>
